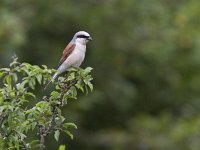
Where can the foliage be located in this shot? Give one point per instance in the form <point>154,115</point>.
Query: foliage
<point>18,119</point>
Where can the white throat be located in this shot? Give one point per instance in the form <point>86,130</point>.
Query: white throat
<point>81,47</point>
<point>81,41</point>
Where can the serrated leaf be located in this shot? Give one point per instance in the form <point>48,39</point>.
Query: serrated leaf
<point>56,135</point>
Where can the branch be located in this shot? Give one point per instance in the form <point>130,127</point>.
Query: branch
<point>44,131</point>
<point>65,88</point>
<point>2,117</point>
<point>42,138</point>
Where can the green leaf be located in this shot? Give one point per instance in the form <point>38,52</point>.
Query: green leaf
<point>56,135</point>
<point>2,74</point>
<point>20,119</point>
<point>44,66</point>
<point>79,86</point>
<point>57,87</point>
<point>2,108</point>
<point>33,81</point>
<point>35,144</point>
<point>73,92</point>
<point>87,79</point>
<point>69,134</point>
<point>33,125</point>
<point>8,79</point>
<point>5,69</point>
<point>86,89</point>
<point>55,95</point>
<point>62,147</point>
<point>68,125</point>
<point>25,69</point>
<point>14,63</point>
<point>59,120</point>
<point>61,79</point>
<point>42,104</point>
<point>39,78</point>
<point>22,136</point>
<point>32,73</point>
<point>30,94</point>
<point>88,69</point>
<point>15,78</point>
<point>12,94</point>
<point>31,85</point>
<point>90,85</point>
<point>54,102</point>
<point>71,76</point>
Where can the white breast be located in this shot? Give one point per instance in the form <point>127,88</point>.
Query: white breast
<point>75,59</point>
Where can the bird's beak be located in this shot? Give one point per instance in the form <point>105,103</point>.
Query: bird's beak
<point>90,39</point>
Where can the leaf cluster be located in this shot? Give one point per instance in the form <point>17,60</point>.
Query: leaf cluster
<point>18,119</point>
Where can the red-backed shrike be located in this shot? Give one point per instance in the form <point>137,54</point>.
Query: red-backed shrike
<point>73,54</point>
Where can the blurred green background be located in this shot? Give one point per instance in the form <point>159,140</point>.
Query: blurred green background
<point>146,60</point>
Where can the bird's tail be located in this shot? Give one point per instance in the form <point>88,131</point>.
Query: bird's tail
<point>54,76</point>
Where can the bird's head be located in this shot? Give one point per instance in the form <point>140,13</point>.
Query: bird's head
<point>82,37</point>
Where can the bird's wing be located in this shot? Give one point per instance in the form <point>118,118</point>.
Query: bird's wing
<point>67,51</point>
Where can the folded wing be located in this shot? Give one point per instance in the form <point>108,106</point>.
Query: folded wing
<point>67,51</point>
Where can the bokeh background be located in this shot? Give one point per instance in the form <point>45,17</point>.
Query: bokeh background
<point>146,60</point>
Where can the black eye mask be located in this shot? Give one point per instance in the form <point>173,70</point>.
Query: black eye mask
<point>82,36</point>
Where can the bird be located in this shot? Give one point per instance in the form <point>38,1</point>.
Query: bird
<point>73,54</point>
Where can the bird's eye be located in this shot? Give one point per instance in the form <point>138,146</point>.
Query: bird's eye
<point>82,36</point>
